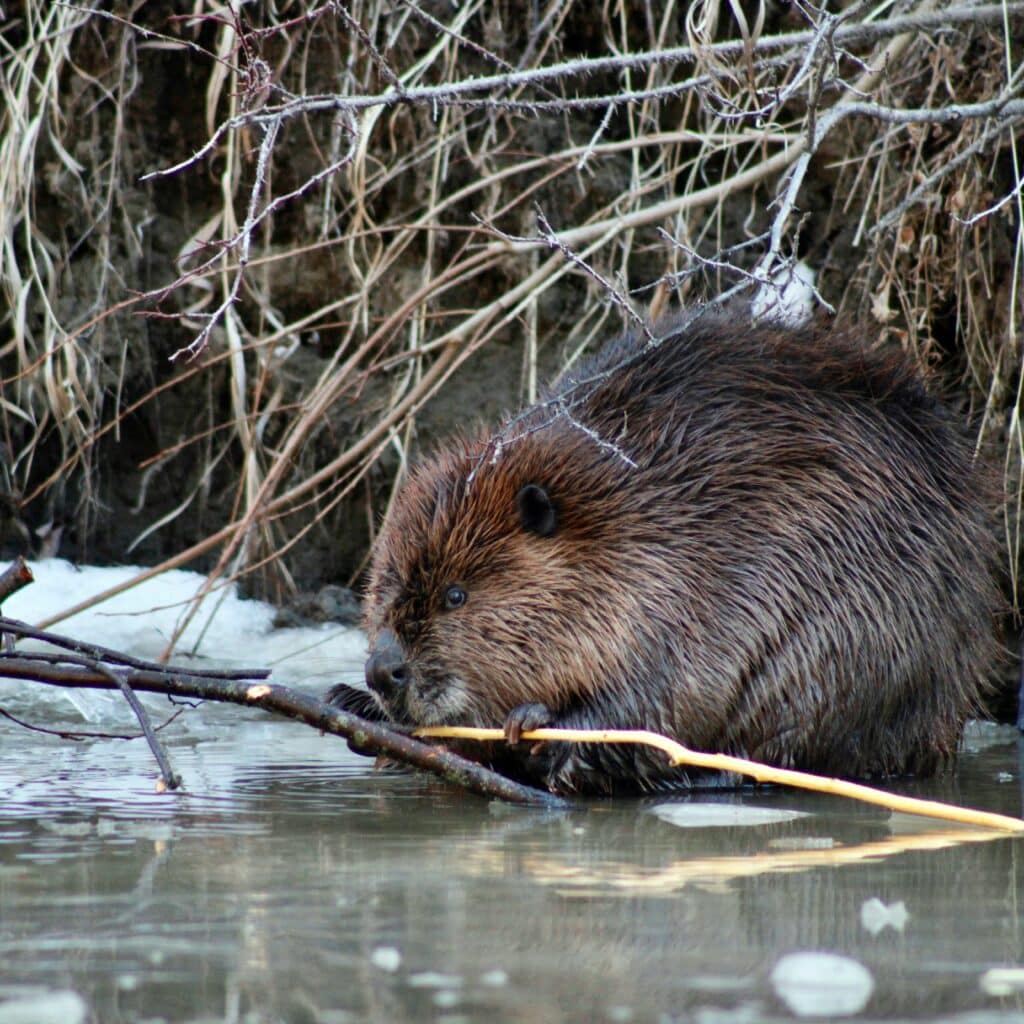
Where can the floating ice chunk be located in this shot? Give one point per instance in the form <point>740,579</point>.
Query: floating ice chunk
<point>788,299</point>
<point>495,978</point>
<point>720,815</point>
<point>822,984</point>
<point>386,958</point>
<point>434,979</point>
<point>63,1007</point>
<point>875,916</point>
<point>1002,981</point>
<point>980,736</point>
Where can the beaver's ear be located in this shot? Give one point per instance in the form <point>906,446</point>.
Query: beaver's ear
<point>537,511</point>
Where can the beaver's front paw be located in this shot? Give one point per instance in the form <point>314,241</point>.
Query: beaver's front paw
<point>525,718</point>
<point>355,702</point>
<point>361,703</point>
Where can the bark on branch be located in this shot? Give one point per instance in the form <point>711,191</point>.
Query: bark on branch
<point>86,666</point>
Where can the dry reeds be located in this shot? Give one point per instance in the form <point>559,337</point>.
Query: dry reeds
<point>353,210</point>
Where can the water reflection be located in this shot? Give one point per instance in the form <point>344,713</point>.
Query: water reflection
<point>293,883</point>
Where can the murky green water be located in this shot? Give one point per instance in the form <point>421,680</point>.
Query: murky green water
<point>292,883</point>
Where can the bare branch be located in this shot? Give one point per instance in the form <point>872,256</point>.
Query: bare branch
<point>366,736</point>
<point>927,186</point>
<point>79,735</point>
<point>120,678</point>
<point>93,652</point>
<point>465,90</point>
<point>547,233</point>
<point>14,577</point>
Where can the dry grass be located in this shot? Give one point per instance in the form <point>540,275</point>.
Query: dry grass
<point>410,239</point>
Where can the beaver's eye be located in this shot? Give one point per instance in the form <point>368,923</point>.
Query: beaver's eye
<point>454,597</point>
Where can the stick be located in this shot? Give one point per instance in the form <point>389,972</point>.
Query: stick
<point>368,737</point>
<point>678,755</point>
<point>14,577</point>
<point>77,735</point>
<point>118,676</point>
<point>97,653</point>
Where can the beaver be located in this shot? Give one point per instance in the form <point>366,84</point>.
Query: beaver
<point>759,540</point>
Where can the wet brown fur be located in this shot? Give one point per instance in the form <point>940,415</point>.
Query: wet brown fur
<point>798,568</point>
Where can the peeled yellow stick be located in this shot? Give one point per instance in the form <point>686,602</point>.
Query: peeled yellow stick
<point>761,772</point>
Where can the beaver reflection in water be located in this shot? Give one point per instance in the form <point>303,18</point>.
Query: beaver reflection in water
<point>757,540</point>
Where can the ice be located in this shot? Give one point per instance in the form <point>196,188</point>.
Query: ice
<point>822,984</point>
<point>876,916</point>
<point>980,735</point>
<point>720,815</point>
<point>494,979</point>
<point>60,1007</point>
<point>228,632</point>
<point>803,843</point>
<point>386,958</point>
<point>1002,981</point>
<point>434,979</point>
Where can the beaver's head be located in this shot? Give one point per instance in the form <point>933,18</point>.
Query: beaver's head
<point>491,589</point>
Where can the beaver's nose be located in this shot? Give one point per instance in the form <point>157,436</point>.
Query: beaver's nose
<point>386,671</point>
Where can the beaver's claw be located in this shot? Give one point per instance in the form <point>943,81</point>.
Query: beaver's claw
<point>525,718</point>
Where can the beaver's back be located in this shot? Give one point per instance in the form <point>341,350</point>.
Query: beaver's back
<point>760,541</point>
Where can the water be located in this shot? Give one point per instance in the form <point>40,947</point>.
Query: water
<point>293,883</point>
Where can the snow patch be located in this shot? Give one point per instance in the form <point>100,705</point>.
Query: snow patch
<point>788,299</point>
<point>228,631</point>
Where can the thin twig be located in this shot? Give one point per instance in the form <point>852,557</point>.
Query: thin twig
<point>385,69</point>
<point>120,678</point>
<point>97,653</point>
<point>117,675</point>
<point>549,236</point>
<point>80,735</point>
